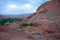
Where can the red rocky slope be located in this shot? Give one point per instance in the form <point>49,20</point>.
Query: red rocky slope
<point>47,17</point>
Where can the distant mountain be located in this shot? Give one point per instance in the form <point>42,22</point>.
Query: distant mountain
<point>15,16</point>
<point>1,17</point>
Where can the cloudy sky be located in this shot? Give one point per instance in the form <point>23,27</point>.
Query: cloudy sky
<point>19,6</point>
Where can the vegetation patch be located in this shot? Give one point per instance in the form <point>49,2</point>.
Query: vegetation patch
<point>26,24</point>
<point>10,20</point>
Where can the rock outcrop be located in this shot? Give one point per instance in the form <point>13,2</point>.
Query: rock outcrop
<point>49,10</point>
<point>47,17</point>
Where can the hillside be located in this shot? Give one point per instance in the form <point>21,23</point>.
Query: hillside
<point>49,10</point>
<point>47,19</point>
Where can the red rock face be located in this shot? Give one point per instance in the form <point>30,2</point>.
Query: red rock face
<point>44,27</point>
<point>49,5</point>
<point>49,10</point>
<point>48,19</point>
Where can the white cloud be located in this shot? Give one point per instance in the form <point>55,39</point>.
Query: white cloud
<point>31,1</point>
<point>12,6</point>
<point>16,9</point>
<point>28,6</point>
<point>34,1</point>
<point>48,0</point>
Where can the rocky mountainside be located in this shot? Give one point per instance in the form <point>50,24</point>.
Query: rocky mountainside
<point>44,25</point>
<point>49,10</point>
<point>47,17</point>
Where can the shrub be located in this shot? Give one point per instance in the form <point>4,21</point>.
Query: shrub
<point>32,24</point>
<point>23,25</point>
<point>26,24</point>
<point>3,21</point>
<point>15,19</point>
